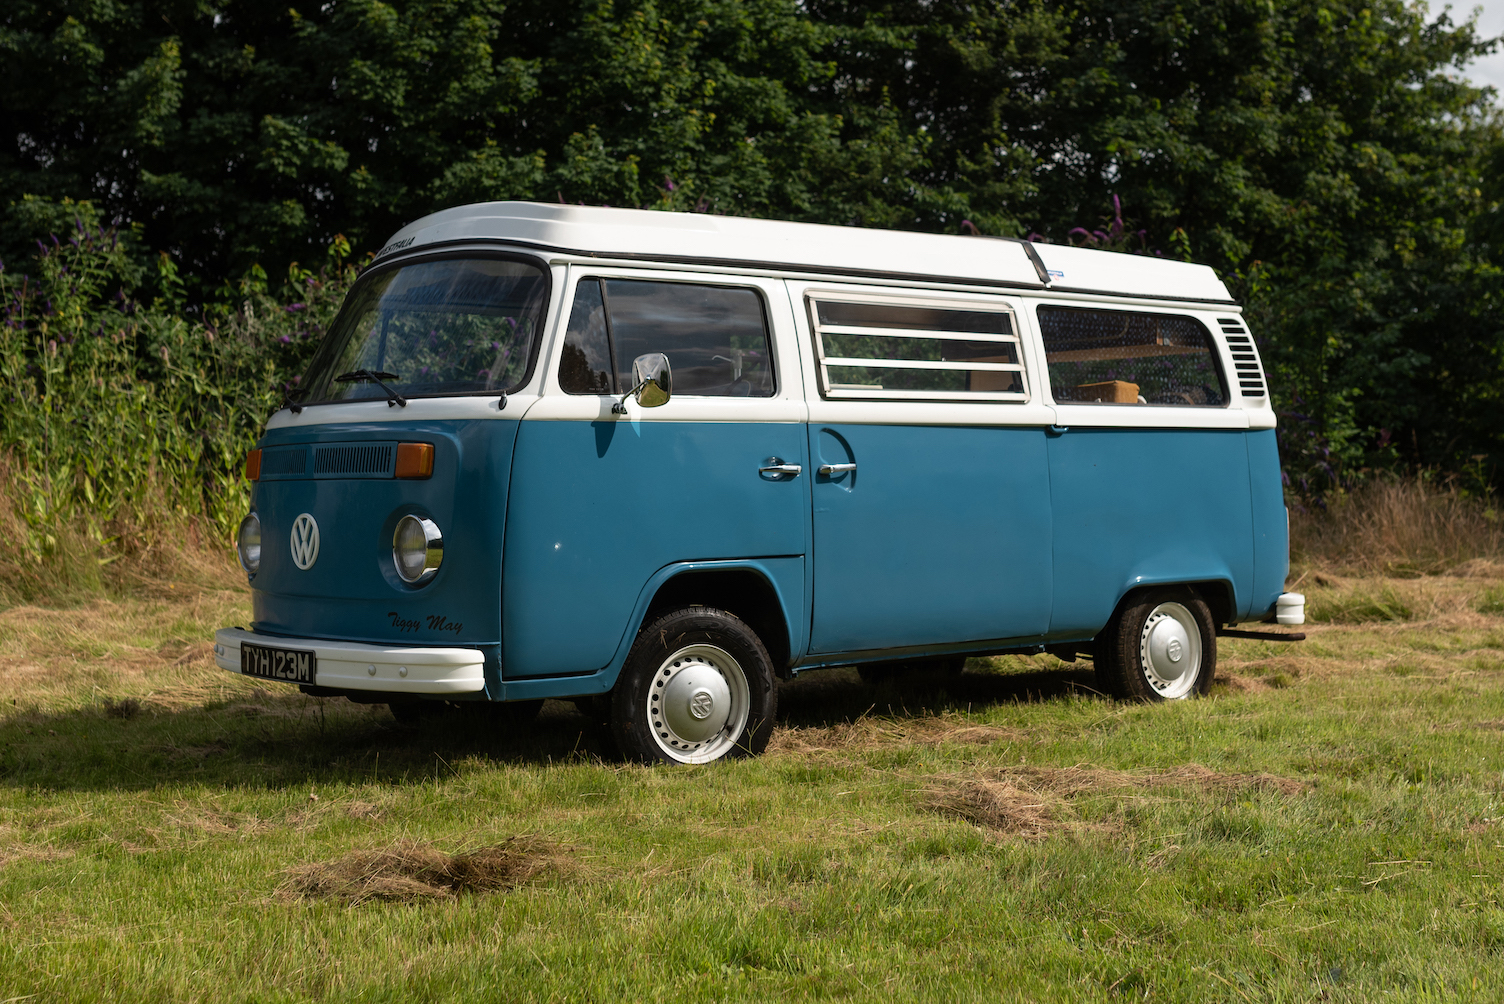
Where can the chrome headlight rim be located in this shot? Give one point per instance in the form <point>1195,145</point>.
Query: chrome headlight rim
<point>432,555</point>
<point>248,544</point>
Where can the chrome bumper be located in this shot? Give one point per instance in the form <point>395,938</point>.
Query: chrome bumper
<point>352,666</point>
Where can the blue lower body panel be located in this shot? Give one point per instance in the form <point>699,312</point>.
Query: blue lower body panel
<point>1137,507</point>
<point>599,509</point>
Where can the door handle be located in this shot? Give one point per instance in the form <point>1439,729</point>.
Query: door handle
<point>1057,430</point>
<point>774,469</point>
<point>829,469</point>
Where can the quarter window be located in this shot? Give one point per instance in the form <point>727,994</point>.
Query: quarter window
<point>872,349</point>
<point>1127,357</point>
<point>715,337</point>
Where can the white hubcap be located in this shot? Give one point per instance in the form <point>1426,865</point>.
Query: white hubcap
<point>1170,650</point>
<point>697,704</point>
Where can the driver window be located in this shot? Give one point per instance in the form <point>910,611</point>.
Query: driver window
<point>715,337</point>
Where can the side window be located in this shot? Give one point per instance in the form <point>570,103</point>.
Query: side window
<point>871,349</point>
<point>586,367</point>
<point>715,337</point>
<point>1126,357</point>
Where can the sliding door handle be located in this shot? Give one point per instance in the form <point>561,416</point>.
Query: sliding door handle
<point>829,469</point>
<point>774,469</point>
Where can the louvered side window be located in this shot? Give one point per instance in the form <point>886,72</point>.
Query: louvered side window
<point>871,349</point>
<point>1245,359</point>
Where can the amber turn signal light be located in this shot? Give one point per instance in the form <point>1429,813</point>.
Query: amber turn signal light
<point>253,466</point>
<point>414,460</point>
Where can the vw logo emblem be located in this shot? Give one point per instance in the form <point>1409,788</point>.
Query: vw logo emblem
<point>701,704</point>
<point>305,541</point>
<point>1174,650</point>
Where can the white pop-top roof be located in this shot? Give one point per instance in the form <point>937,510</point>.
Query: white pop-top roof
<point>696,238</point>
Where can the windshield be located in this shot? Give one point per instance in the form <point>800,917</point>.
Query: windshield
<point>452,326</point>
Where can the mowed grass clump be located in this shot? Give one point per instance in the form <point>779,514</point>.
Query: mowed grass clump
<point>1325,826</point>
<point>410,871</point>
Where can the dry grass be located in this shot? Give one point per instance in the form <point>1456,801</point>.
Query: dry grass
<point>152,647</point>
<point>412,872</point>
<point>1390,526</point>
<point>1033,802</point>
<point>70,559</point>
<point>866,733</point>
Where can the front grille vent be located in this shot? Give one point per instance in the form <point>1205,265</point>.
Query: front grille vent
<point>1250,374</point>
<point>283,462</point>
<point>352,460</point>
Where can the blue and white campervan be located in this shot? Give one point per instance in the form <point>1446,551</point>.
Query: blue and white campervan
<point>662,460</point>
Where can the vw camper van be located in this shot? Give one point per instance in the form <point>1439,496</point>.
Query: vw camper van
<point>654,462</point>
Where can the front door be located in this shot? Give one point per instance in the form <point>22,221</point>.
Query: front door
<point>930,491</point>
<point>600,501</point>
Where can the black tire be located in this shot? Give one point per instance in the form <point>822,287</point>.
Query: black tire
<point>1182,629</point>
<point>679,699</point>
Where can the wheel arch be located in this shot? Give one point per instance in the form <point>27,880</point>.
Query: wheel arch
<point>1217,594</point>
<point>741,589</point>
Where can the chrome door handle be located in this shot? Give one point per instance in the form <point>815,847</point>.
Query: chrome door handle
<point>829,469</point>
<point>774,469</point>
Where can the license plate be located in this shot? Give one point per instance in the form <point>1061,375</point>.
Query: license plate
<point>277,663</point>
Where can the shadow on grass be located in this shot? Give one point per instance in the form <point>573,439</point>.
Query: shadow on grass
<point>277,738</point>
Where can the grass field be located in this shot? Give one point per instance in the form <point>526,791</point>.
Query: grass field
<point>1327,826</point>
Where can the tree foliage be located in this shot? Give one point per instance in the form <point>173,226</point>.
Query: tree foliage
<point>1324,155</point>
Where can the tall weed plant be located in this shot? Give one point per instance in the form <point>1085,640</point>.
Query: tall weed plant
<point>124,421</point>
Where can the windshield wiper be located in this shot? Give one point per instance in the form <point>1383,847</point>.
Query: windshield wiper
<point>375,377</point>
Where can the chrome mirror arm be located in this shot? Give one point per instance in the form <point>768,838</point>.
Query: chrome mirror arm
<point>620,407</point>
<point>651,373</point>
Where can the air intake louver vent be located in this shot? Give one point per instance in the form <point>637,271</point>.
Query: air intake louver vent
<point>283,462</point>
<point>1244,357</point>
<point>348,460</point>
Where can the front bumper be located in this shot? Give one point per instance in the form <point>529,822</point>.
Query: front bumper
<point>349,665</point>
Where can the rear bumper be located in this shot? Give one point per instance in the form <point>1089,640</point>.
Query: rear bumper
<point>352,666</point>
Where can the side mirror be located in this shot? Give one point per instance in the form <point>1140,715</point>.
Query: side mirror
<point>652,379</point>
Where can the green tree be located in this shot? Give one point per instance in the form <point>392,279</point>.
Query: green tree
<point>1323,154</point>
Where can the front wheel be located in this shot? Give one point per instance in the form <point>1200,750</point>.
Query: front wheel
<point>697,686</point>
<point>1162,646</point>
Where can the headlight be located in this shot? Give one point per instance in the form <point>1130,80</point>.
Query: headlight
<point>248,544</point>
<point>417,549</point>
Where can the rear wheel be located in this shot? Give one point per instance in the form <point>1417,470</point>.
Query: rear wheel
<point>697,686</point>
<point>1162,646</point>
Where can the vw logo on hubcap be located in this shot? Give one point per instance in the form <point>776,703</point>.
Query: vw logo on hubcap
<point>701,704</point>
<point>305,541</point>
<point>1174,650</point>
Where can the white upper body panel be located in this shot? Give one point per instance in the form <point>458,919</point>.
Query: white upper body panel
<point>650,244</point>
<point>1090,270</point>
<point>695,238</point>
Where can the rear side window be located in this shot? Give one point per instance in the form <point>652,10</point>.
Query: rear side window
<point>871,349</point>
<point>715,337</point>
<point>1127,357</point>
